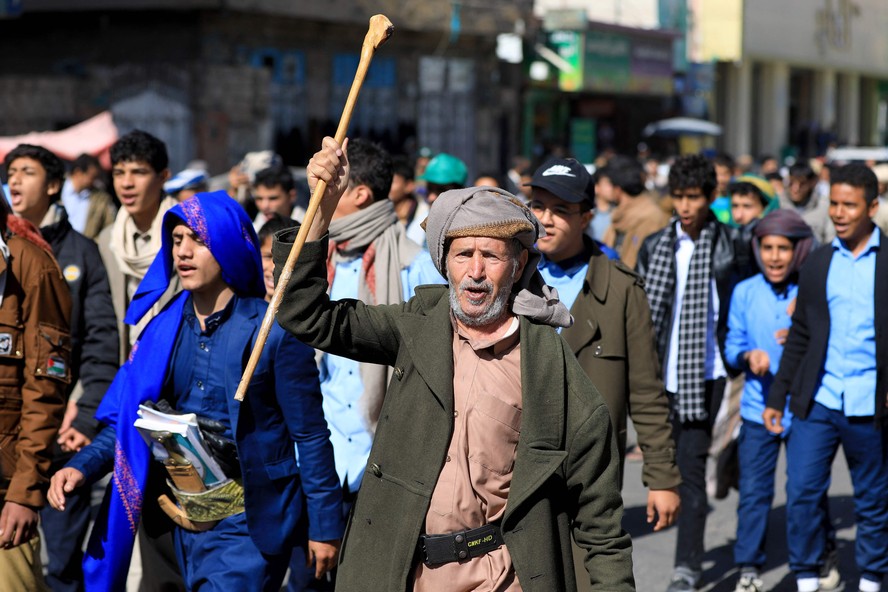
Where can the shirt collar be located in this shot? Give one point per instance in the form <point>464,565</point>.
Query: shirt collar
<point>680,233</point>
<point>213,321</point>
<point>873,244</point>
<point>571,265</point>
<point>497,346</point>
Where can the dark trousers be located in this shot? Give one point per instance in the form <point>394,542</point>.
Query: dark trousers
<point>811,449</point>
<point>758,450</point>
<point>226,558</point>
<point>63,536</point>
<point>692,441</point>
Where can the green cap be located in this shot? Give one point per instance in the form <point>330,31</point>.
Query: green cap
<point>445,169</point>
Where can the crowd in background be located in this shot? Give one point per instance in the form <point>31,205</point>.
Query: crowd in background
<point>740,333</point>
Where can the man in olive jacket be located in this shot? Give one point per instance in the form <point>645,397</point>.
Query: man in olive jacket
<point>447,454</point>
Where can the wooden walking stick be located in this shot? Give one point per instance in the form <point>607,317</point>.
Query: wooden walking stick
<point>380,29</point>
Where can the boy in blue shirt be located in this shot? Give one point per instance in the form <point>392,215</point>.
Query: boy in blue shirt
<point>758,322</point>
<point>192,355</point>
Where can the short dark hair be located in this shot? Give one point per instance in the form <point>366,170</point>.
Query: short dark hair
<point>401,165</point>
<point>724,159</point>
<point>856,174</point>
<point>626,173</point>
<point>802,169</point>
<point>692,170</point>
<point>775,176</point>
<point>274,226</point>
<point>274,176</point>
<point>84,162</point>
<point>370,165</point>
<point>139,146</point>
<point>744,188</point>
<point>52,164</point>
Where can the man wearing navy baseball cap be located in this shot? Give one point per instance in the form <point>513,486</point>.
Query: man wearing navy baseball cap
<point>612,329</point>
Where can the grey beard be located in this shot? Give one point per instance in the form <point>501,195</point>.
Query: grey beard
<point>497,309</point>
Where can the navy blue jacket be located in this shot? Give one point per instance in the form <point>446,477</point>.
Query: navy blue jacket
<point>282,406</point>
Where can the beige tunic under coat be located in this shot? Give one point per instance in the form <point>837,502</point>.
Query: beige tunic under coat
<point>473,486</point>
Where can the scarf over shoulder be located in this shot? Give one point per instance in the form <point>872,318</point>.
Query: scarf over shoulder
<point>225,229</point>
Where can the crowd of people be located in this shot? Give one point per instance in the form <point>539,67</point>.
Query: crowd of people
<point>443,401</point>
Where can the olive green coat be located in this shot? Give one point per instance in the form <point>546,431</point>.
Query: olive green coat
<point>613,339</point>
<point>566,473</point>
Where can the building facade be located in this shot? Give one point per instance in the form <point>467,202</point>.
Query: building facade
<point>218,78</point>
<point>796,78</point>
<point>595,85</point>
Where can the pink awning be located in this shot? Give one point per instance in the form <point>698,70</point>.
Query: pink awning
<point>93,136</point>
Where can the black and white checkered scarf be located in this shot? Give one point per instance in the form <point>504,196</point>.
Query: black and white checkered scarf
<point>694,316</point>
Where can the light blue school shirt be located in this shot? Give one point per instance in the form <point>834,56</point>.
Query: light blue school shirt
<point>757,312</point>
<point>76,204</point>
<point>848,381</point>
<point>341,377</point>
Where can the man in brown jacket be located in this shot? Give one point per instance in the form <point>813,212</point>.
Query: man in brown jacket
<point>637,215</point>
<point>34,372</point>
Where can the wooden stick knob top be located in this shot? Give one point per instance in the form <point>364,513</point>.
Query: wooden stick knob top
<point>380,29</point>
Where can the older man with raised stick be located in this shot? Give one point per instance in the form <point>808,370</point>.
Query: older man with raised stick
<point>493,447</point>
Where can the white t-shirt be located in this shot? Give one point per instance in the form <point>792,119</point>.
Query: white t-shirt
<point>715,368</point>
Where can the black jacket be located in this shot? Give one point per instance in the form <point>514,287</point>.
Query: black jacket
<point>94,338</point>
<point>732,262</point>
<point>805,352</point>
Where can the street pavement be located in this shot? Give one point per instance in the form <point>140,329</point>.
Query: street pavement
<point>653,553</point>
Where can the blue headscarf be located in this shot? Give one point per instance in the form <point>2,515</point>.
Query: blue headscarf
<point>225,229</point>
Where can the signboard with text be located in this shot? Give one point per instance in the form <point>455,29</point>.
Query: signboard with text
<point>613,61</point>
<point>569,47</point>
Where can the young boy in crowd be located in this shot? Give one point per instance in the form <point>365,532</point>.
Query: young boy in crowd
<point>752,198</point>
<point>139,168</point>
<point>192,356</point>
<point>266,236</point>
<point>758,322</point>
<point>274,193</point>
<point>690,269</point>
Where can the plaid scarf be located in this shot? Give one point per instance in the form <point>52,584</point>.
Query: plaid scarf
<point>693,318</point>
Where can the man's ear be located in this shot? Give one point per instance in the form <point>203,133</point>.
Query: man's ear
<point>291,197</point>
<point>54,187</point>
<point>165,174</point>
<point>363,196</point>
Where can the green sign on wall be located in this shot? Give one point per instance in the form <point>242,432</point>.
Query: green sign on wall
<point>608,61</point>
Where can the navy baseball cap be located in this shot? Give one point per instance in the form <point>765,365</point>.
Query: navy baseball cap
<point>565,178</point>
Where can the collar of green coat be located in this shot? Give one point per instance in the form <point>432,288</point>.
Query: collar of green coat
<point>597,281</point>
